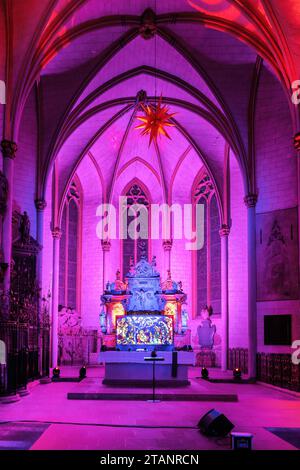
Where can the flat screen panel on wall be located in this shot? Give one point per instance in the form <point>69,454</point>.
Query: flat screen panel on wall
<point>277,330</point>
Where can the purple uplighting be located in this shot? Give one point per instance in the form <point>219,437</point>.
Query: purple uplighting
<point>149,225</point>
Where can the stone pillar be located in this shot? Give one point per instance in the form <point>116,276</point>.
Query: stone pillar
<point>224,233</point>
<point>109,319</point>
<point>179,317</point>
<point>56,233</point>
<point>3,205</point>
<point>40,205</point>
<point>167,246</point>
<point>250,201</point>
<point>9,150</point>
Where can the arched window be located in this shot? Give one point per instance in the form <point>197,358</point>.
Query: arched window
<point>207,261</point>
<point>70,249</point>
<point>135,248</point>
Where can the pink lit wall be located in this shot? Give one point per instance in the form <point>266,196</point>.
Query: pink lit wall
<point>276,163</point>
<point>181,258</point>
<point>91,255</point>
<point>237,268</point>
<point>276,168</point>
<point>47,252</point>
<point>2,67</point>
<point>25,164</point>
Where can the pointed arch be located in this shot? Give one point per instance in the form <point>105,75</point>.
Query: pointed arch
<point>206,275</point>
<point>132,249</point>
<point>70,259</point>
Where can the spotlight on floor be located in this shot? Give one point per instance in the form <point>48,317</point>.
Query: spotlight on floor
<point>241,440</point>
<point>237,373</point>
<point>82,372</point>
<point>204,373</point>
<point>56,372</point>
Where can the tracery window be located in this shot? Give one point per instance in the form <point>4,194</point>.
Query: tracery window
<point>207,261</point>
<point>133,249</point>
<point>70,249</point>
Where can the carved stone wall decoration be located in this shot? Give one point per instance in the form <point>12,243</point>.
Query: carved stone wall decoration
<point>9,149</point>
<point>25,292</point>
<point>24,228</point>
<point>297,141</point>
<point>206,332</point>
<point>277,255</point>
<point>40,204</point>
<point>204,188</point>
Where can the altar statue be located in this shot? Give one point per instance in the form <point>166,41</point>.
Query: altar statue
<point>139,300</point>
<point>24,227</point>
<point>206,331</point>
<point>102,319</point>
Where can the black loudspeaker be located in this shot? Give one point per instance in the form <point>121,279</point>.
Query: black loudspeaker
<point>215,424</point>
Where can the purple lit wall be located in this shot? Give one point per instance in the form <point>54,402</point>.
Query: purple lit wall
<point>238,262</point>
<point>79,107</point>
<point>25,167</point>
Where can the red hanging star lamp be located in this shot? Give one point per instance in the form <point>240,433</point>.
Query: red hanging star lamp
<point>155,120</point>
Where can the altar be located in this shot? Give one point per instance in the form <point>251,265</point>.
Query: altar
<point>129,368</point>
<point>140,314</point>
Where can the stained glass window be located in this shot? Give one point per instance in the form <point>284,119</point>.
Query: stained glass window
<point>133,249</point>
<point>69,250</point>
<point>208,259</point>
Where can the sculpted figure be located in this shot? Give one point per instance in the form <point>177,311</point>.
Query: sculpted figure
<point>24,227</point>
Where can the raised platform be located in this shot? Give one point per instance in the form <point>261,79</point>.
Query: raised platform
<point>94,389</point>
<point>132,368</point>
<point>146,383</point>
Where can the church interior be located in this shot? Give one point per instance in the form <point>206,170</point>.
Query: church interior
<point>149,239</point>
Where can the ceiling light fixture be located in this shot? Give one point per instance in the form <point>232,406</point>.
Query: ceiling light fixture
<point>155,120</point>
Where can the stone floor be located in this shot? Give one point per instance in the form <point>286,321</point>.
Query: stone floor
<point>46,419</point>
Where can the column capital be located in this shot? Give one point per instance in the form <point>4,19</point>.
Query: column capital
<point>56,233</point>
<point>250,200</point>
<point>224,230</point>
<point>167,244</point>
<point>9,149</point>
<point>106,245</point>
<point>40,204</point>
<point>297,141</point>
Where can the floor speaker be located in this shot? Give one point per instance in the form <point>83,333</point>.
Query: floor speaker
<point>214,423</point>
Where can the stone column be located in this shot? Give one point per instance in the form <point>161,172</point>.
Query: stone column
<point>56,233</point>
<point>40,205</point>
<point>109,319</point>
<point>167,246</point>
<point>9,150</point>
<point>3,205</point>
<point>179,316</point>
<point>250,201</point>
<point>224,233</point>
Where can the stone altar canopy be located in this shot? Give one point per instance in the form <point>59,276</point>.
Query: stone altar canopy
<point>142,292</point>
<point>143,282</point>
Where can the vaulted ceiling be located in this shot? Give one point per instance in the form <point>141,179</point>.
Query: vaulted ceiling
<point>87,61</point>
